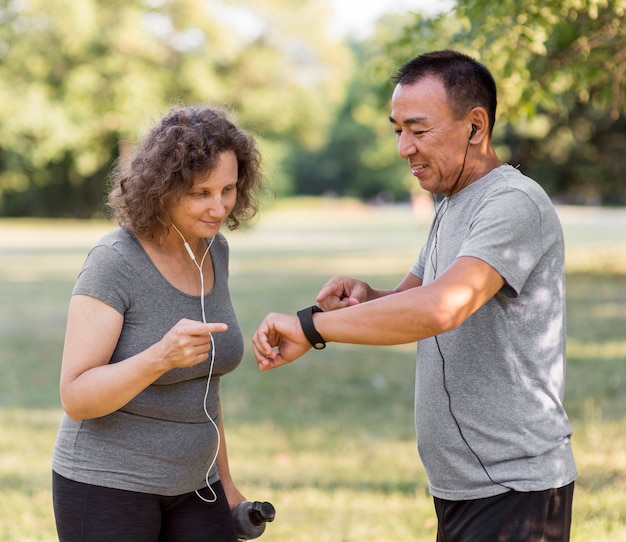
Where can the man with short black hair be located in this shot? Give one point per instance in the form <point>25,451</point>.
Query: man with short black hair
<point>485,300</point>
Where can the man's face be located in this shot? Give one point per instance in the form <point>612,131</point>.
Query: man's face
<point>428,135</point>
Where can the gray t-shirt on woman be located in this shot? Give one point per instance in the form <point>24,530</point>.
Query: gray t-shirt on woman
<point>488,402</point>
<point>161,442</point>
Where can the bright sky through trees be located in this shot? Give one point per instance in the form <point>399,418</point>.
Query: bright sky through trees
<point>357,17</point>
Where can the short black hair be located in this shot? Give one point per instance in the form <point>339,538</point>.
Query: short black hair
<point>468,83</point>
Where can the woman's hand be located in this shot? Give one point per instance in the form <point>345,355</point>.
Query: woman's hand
<point>187,343</point>
<point>91,387</point>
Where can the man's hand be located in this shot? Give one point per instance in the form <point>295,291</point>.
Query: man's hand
<point>283,332</point>
<point>341,292</point>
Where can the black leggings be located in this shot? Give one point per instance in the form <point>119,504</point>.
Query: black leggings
<point>89,513</point>
<point>536,516</point>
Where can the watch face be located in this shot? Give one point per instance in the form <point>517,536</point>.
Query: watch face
<point>319,346</point>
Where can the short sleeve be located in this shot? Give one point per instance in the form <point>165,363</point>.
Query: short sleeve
<point>507,234</point>
<point>418,266</point>
<point>105,276</point>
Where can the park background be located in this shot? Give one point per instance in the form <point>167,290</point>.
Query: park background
<point>329,440</point>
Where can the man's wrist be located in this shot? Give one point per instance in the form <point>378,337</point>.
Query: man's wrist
<point>306,322</point>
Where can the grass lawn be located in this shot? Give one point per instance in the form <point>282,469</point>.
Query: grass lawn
<point>329,439</point>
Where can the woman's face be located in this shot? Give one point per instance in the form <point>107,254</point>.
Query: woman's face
<point>201,211</point>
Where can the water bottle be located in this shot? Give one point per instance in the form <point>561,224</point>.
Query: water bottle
<point>251,517</point>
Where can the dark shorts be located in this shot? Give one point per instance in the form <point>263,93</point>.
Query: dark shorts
<point>89,513</point>
<point>536,516</point>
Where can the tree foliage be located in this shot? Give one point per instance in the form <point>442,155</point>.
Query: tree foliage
<point>77,79</point>
<point>359,157</point>
<point>561,71</point>
<point>80,81</point>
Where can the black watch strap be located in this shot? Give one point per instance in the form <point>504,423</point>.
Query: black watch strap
<point>306,321</point>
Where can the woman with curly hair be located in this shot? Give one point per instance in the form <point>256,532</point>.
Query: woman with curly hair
<point>140,453</point>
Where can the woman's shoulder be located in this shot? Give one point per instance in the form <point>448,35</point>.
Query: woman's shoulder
<point>114,236</point>
<point>116,246</point>
<point>219,245</point>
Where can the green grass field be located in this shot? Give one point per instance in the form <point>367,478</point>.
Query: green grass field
<point>329,439</point>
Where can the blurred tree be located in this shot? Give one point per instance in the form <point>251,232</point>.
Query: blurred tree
<point>359,158</point>
<point>80,80</point>
<point>561,71</point>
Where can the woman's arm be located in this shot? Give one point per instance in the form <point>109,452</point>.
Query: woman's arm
<point>90,387</point>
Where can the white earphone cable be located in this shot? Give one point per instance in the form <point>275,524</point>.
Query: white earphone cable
<point>208,382</point>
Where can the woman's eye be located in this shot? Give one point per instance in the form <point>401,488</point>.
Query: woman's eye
<point>201,194</point>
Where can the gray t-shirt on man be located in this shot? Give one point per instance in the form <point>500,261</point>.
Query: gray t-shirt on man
<point>488,397</point>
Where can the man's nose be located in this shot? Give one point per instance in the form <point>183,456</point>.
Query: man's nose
<point>406,145</point>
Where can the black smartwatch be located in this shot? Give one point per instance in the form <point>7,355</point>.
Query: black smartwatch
<point>306,321</point>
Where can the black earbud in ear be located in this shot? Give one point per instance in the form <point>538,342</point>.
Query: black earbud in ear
<point>473,131</point>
